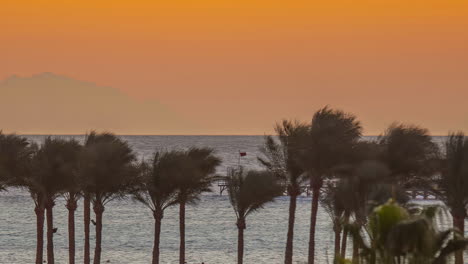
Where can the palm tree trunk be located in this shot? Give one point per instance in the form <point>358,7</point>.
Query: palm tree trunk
<point>50,232</point>
<point>39,210</point>
<point>240,240</point>
<point>182,233</point>
<point>87,220</point>
<point>355,259</point>
<point>313,219</point>
<point>459,223</point>
<point>98,210</point>
<point>289,239</point>
<point>337,230</point>
<point>157,235</point>
<point>344,239</point>
<point>71,206</point>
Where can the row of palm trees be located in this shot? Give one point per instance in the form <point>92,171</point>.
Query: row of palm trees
<point>366,173</point>
<point>101,170</point>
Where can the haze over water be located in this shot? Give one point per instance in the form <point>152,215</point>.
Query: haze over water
<point>211,234</point>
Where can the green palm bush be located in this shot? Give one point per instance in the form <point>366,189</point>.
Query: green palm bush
<point>394,236</point>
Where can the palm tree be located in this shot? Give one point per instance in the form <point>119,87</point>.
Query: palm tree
<point>409,152</point>
<point>107,170</point>
<point>157,190</point>
<point>198,166</point>
<point>332,138</point>
<point>249,192</point>
<point>15,167</point>
<point>91,138</point>
<point>453,182</point>
<point>54,163</point>
<point>72,193</point>
<point>333,203</point>
<point>367,188</point>
<point>15,157</point>
<point>281,158</point>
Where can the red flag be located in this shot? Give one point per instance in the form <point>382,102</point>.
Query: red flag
<point>242,154</point>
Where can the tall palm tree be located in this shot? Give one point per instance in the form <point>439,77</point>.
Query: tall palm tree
<point>91,138</point>
<point>249,192</point>
<point>352,187</point>
<point>54,163</point>
<point>453,182</point>
<point>330,143</point>
<point>15,168</point>
<point>107,170</point>
<point>281,158</point>
<point>72,193</point>
<point>198,166</point>
<point>157,189</point>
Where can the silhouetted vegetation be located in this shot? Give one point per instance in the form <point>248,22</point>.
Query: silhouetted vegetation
<point>282,159</point>
<point>107,168</point>
<point>249,192</point>
<point>364,185</point>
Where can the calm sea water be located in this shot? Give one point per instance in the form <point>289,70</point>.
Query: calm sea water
<point>211,234</point>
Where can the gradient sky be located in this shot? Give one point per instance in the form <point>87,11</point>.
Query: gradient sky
<point>236,67</point>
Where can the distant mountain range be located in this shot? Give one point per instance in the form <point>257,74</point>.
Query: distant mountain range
<point>49,103</point>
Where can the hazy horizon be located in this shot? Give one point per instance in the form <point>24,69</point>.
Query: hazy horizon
<point>47,104</point>
<point>211,67</point>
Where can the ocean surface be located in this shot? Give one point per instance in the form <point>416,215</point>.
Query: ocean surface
<point>211,234</point>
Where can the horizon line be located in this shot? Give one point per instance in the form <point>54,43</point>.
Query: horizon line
<point>189,135</point>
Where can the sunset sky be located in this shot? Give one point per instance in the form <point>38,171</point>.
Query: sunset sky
<point>236,67</point>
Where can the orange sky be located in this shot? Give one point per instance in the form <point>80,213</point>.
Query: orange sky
<point>236,67</point>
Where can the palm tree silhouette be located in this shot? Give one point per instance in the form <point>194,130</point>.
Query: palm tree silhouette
<point>197,166</point>
<point>281,158</point>
<point>453,183</point>
<point>107,170</point>
<point>332,202</point>
<point>409,153</point>
<point>249,192</point>
<point>331,141</point>
<point>54,163</point>
<point>156,188</point>
<point>72,193</point>
<point>16,155</point>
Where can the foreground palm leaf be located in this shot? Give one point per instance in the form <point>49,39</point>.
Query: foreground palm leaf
<point>395,236</point>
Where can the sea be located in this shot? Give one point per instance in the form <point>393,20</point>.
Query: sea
<point>211,233</point>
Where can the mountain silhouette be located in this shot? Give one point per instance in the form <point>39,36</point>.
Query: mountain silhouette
<point>53,104</point>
